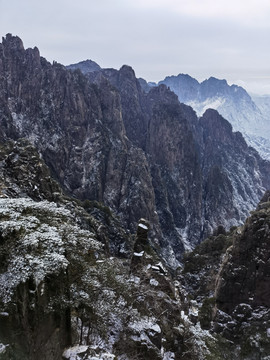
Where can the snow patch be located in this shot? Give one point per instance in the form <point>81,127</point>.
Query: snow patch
<point>138,254</point>
<point>210,103</point>
<point>184,238</point>
<point>72,352</point>
<point>145,324</point>
<point>154,282</point>
<point>3,348</point>
<point>4,314</point>
<point>169,356</point>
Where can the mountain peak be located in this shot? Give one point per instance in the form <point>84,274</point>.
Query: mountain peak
<point>216,80</point>
<point>86,66</point>
<point>183,85</point>
<point>127,71</point>
<point>181,78</point>
<point>217,128</point>
<point>214,84</point>
<point>13,42</point>
<point>213,117</point>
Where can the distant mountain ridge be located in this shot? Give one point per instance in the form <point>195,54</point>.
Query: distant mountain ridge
<point>249,115</point>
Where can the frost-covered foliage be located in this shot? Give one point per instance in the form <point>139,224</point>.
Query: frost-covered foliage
<point>131,311</point>
<point>36,237</point>
<point>43,246</point>
<point>117,308</point>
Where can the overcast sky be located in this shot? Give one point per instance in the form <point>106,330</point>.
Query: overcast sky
<point>222,38</point>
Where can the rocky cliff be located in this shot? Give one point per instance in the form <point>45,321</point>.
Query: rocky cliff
<point>244,275</point>
<point>86,160</point>
<point>208,151</point>
<point>228,275</point>
<point>78,129</point>
<point>144,155</point>
<point>76,285</point>
<point>67,290</point>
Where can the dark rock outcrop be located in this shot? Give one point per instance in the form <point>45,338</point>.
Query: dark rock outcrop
<point>206,153</point>
<point>244,276</point>
<point>228,276</point>
<point>24,173</point>
<point>78,128</point>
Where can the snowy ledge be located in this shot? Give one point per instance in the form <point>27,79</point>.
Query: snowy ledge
<point>143,226</point>
<point>139,254</point>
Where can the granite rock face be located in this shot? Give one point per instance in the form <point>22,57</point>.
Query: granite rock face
<point>67,290</point>
<point>185,150</point>
<point>228,276</point>
<point>74,282</point>
<point>234,174</point>
<point>144,155</point>
<point>24,173</point>
<point>78,129</point>
<point>203,173</point>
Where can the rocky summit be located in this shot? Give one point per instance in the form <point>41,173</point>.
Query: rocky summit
<point>123,231</point>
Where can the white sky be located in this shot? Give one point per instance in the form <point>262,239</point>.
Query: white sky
<point>222,38</point>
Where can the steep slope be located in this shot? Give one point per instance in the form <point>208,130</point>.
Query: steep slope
<point>48,249</point>
<point>227,278</point>
<point>68,292</point>
<point>247,264</point>
<point>78,129</point>
<point>232,181</point>
<point>204,153</point>
<point>242,286</point>
<point>232,102</point>
<point>262,140</point>
<point>263,103</point>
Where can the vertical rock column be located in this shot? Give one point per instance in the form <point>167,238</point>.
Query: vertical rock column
<point>141,241</point>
